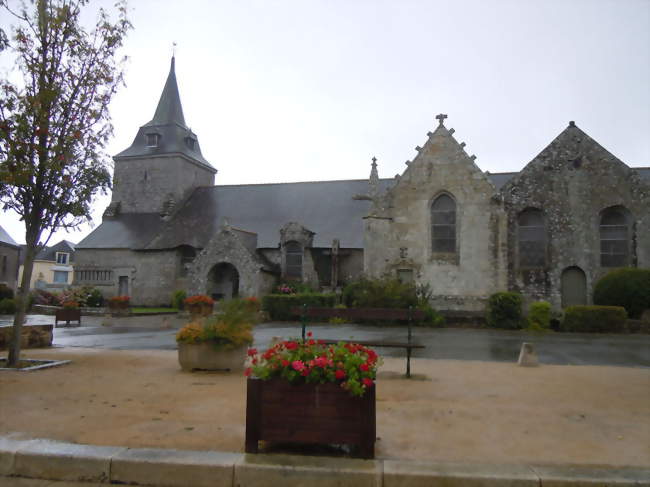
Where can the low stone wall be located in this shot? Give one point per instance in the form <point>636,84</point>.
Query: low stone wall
<point>33,336</point>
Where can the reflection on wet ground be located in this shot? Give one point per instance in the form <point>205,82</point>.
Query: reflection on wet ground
<point>445,343</point>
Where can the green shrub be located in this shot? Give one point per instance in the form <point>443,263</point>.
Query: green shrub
<point>177,299</point>
<point>380,293</point>
<point>539,316</point>
<point>432,317</point>
<point>7,306</point>
<point>94,298</point>
<point>629,288</point>
<point>504,311</point>
<point>6,292</point>
<point>594,319</point>
<point>279,305</point>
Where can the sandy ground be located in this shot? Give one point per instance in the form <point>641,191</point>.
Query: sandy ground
<point>455,411</point>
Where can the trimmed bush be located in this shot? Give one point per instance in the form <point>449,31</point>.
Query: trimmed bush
<point>539,316</point>
<point>6,292</point>
<point>279,305</point>
<point>504,311</point>
<point>7,306</point>
<point>594,319</point>
<point>177,299</point>
<point>629,288</point>
<point>380,293</point>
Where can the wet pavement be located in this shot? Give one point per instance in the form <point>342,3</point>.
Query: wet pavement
<point>445,343</point>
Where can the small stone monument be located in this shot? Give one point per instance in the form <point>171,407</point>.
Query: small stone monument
<point>527,356</point>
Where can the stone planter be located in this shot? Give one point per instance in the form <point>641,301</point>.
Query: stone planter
<point>309,413</point>
<point>203,356</point>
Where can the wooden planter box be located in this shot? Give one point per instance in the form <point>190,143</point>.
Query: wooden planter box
<point>309,413</point>
<point>67,315</point>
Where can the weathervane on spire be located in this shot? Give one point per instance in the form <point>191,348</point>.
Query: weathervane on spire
<point>174,49</point>
<point>441,118</point>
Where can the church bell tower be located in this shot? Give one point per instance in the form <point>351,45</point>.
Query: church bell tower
<point>163,164</point>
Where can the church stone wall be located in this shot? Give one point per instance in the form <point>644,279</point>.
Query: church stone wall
<point>149,185</point>
<point>399,238</point>
<point>572,181</point>
<point>151,274</point>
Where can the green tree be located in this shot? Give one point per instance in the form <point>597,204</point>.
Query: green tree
<point>54,123</point>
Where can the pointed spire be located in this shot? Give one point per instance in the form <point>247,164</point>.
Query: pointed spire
<point>169,108</point>
<point>373,182</point>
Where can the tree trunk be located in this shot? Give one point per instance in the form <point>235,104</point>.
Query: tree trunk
<point>21,308</point>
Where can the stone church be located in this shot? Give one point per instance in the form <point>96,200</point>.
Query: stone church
<point>549,231</point>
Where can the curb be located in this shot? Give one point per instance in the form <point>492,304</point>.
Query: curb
<point>71,464</point>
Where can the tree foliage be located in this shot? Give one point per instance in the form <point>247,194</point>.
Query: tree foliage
<point>54,122</point>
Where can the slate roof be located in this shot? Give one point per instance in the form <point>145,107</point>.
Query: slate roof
<point>324,207</point>
<point>5,238</point>
<point>169,123</point>
<point>49,253</point>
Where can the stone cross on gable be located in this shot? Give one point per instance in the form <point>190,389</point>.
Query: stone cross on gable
<point>441,118</point>
<point>374,161</point>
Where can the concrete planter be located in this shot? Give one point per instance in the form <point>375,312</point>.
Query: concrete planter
<point>203,356</point>
<point>309,413</point>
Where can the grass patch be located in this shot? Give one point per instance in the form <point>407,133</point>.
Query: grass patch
<point>153,310</point>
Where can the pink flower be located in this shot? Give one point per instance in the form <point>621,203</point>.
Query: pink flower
<point>298,365</point>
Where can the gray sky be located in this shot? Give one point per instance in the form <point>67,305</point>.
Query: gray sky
<point>301,90</point>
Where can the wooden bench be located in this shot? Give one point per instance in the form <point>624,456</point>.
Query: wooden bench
<point>377,314</point>
<point>67,315</point>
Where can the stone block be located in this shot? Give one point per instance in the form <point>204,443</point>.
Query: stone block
<point>527,356</point>
<point>45,459</point>
<point>8,448</point>
<point>174,468</point>
<point>417,474</point>
<point>592,476</point>
<point>294,471</point>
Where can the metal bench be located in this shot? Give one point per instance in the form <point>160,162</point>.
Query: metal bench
<point>376,314</point>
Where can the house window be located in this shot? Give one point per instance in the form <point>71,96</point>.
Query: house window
<point>60,277</point>
<point>531,237</point>
<point>62,258</point>
<point>293,256</point>
<point>152,140</point>
<point>187,257</point>
<point>443,224</point>
<point>614,237</point>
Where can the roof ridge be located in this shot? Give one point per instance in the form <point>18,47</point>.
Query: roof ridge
<point>294,182</point>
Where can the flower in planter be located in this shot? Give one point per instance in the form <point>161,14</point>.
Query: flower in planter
<point>198,299</point>
<point>120,302</point>
<point>351,365</point>
<point>70,305</point>
<point>231,328</point>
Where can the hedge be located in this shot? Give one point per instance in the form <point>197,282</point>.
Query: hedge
<point>7,306</point>
<point>539,316</point>
<point>605,319</point>
<point>279,305</point>
<point>629,288</point>
<point>504,311</point>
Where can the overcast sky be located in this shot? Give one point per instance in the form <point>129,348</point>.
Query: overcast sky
<point>308,90</point>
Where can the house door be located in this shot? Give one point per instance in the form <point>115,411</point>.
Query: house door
<point>223,281</point>
<point>123,286</point>
<point>574,287</point>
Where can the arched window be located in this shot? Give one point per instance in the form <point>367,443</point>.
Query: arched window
<point>443,224</point>
<point>614,237</point>
<point>531,237</point>
<point>293,256</point>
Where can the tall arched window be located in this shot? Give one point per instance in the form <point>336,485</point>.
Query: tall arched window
<point>531,236</point>
<point>293,259</point>
<point>443,224</point>
<point>614,237</point>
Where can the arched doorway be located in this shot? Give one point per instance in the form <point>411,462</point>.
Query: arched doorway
<point>223,281</point>
<point>574,287</point>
